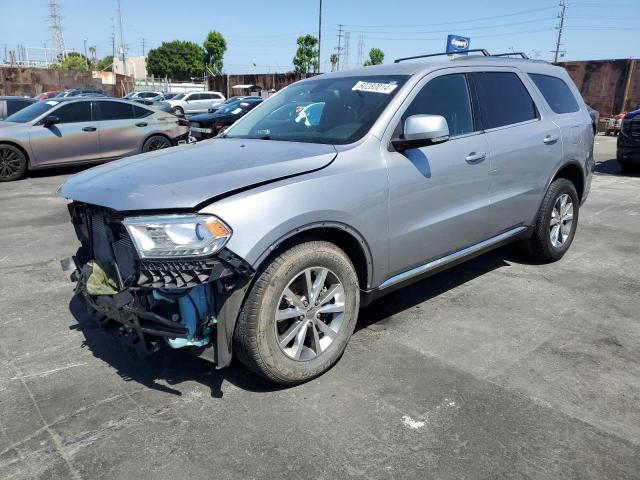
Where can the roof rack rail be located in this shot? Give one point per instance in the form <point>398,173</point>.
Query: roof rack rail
<point>482,50</point>
<point>509,54</point>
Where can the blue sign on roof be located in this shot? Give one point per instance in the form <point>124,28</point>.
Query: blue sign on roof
<point>457,44</point>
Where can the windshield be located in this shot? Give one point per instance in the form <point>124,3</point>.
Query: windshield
<point>234,107</point>
<point>31,112</point>
<point>335,110</point>
<point>179,96</point>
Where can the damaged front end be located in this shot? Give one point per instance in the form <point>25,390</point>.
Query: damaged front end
<point>165,282</point>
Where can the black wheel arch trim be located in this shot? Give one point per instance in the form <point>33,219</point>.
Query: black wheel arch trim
<point>328,225</point>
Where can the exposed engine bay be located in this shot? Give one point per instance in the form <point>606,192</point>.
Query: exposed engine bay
<point>175,302</point>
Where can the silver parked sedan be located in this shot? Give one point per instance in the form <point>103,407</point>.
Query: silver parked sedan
<point>87,130</point>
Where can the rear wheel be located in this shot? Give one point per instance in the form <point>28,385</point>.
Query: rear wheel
<point>156,142</point>
<point>299,314</point>
<point>556,222</point>
<point>13,163</point>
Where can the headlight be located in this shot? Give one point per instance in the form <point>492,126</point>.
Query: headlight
<point>177,235</point>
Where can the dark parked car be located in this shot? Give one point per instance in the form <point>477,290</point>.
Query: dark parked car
<point>169,95</point>
<point>232,100</point>
<point>628,154</point>
<point>10,105</point>
<point>208,125</point>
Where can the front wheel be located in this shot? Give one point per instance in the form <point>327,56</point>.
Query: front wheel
<point>177,111</point>
<point>299,313</point>
<point>13,163</point>
<point>556,222</point>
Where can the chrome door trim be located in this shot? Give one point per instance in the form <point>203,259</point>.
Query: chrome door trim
<point>401,277</point>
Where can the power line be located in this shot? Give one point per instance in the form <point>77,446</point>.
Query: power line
<point>57,38</point>
<point>456,22</point>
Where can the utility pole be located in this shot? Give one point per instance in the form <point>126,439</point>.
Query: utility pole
<point>144,46</point>
<point>124,57</point>
<point>319,34</point>
<point>86,59</point>
<point>113,47</point>
<point>339,49</point>
<point>560,27</point>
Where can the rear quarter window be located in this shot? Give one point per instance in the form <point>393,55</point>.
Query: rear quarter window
<point>556,92</point>
<point>503,99</point>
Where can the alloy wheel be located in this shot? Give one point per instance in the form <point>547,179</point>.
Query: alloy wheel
<point>310,313</point>
<point>10,162</point>
<point>561,220</point>
<point>158,144</point>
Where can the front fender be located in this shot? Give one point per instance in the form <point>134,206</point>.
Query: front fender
<point>355,201</point>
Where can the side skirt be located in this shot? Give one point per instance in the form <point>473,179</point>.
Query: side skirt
<point>424,271</point>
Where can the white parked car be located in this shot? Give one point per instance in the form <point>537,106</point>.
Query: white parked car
<point>195,102</point>
<point>147,95</point>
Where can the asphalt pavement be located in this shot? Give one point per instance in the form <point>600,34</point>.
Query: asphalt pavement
<point>500,368</point>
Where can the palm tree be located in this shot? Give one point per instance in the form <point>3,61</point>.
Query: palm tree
<point>334,61</point>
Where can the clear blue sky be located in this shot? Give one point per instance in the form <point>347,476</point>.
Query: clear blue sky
<point>264,32</point>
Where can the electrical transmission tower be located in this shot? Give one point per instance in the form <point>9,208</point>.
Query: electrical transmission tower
<point>360,48</point>
<point>347,37</point>
<point>561,15</point>
<point>57,39</point>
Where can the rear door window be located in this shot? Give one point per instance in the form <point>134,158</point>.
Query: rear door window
<point>140,112</point>
<point>75,112</point>
<point>115,111</point>
<point>556,92</point>
<point>448,96</point>
<point>503,99</point>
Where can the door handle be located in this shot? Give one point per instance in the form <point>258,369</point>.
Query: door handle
<point>550,139</point>
<point>89,129</point>
<point>141,124</point>
<point>474,157</point>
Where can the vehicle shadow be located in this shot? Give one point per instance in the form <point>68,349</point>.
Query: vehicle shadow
<point>381,311</point>
<point>55,171</point>
<point>612,167</point>
<point>162,370</point>
<point>166,369</point>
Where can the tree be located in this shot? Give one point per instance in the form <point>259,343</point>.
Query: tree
<point>334,61</point>
<point>105,63</point>
<point>75,61</point>
<point>376,57</point>
<point>306,59</point>
<point>179,60</point>
<point>215,45</point>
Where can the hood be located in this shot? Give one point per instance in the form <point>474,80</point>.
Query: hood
<point>203,117</point>
<point>9,124</point>
<point>186,176</point>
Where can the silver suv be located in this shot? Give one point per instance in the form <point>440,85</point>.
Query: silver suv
<point>337,190</point>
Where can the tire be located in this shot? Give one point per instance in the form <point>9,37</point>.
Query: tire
<point>258,335</point>
<point>13,163</point>
<point>155,142</point>
<point>626,167</point>
<point>542,244</point>
<point>177,111</point>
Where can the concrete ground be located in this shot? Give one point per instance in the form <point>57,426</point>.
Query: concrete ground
<point>498,368</point>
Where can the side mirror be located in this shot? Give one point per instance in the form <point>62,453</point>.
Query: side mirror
<point>422,130</point>
<point>50,121</point>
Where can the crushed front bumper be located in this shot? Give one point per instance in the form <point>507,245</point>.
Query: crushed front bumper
<point>157,301</point>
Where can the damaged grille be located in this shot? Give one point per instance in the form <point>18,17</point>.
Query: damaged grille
<point>110,244</point>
